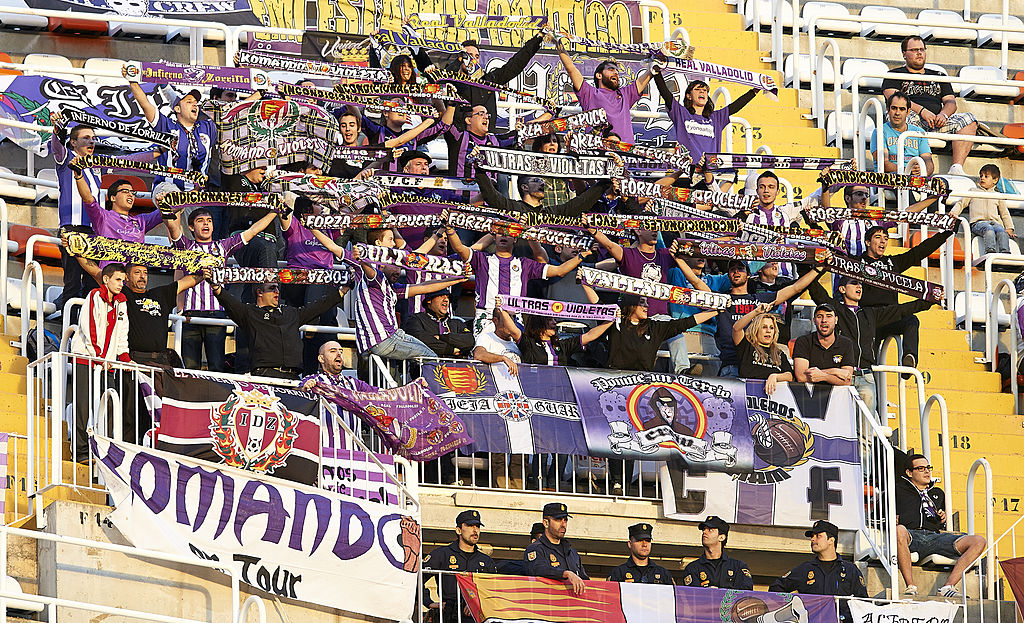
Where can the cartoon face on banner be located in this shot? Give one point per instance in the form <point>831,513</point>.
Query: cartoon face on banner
<point>659,416</point>
<point>253,430</point>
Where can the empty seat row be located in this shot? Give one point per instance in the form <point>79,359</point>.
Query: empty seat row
<point>801,68</point>
<point>882,22</point>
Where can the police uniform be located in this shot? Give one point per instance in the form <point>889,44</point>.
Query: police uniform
<point>451,558</point>
<point>724,572</point>
<point>631,572</point>
<point>842,578</point>
<point>545,559</point>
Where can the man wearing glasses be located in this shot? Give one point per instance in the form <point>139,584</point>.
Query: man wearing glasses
<point>920,517</point>
<point>932,104</point>
<point>116,221</point>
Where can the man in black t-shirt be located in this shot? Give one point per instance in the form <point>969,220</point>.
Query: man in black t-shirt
<point>932,104</point>
<point>824,356</point>
<point>148,311</point>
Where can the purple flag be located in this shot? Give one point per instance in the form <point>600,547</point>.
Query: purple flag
<point>414,422</point>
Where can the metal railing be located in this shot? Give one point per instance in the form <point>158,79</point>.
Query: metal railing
<point>992,331</point>
<point>877,461</point>
<point>998,577</point>
<point>992,345</point>
<point>989,561</point>
<point>4,237</point>
<point>52,603</point>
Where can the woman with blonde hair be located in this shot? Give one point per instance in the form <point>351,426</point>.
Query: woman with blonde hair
<point>757,349</point>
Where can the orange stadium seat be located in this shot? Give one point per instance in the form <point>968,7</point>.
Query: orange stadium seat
<point>958,249</point>
<point>5,57</point>
<point>71,25</point>
<point>137,184</point>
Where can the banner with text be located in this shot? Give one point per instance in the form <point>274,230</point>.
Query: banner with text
<point>497,599</point>
<point>293,541</point>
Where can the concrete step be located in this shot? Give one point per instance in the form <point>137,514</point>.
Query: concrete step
<point>12,362</point>
<point>965,400</point>
<point>12,383</point>
<point>963,359</point>
<point>778,135</point>
<point>12,403</point>
<point>985,423</point>
<point>17,424</point>
<point>940,379</point>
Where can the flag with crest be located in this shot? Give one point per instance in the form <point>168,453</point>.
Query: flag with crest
<point>275,132</point>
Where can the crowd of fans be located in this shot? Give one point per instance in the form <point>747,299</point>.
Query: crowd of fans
<point>406,319</point>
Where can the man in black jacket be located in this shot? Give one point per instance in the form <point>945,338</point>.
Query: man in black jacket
<point>468,65</point>
<point>551,556</point>
<point>714,568</point>
<point>826,573</point>
<point>860,324</point>
<point>920,516</point>
<point>531,189</point>
<point>462,554</point>
<point>638,567</point>
<point>445,334</point>
<point>275,346</point>
<point>877,239</point>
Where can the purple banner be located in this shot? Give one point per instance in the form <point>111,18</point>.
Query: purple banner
<point>231,78</point>
<point>413,421</point>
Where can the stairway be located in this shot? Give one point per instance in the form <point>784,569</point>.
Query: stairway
<point>13,402</point>
<point>982,422</point>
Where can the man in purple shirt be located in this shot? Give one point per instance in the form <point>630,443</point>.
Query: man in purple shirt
<point>200,301</point>
<point>606,93</point>
<point>116,221</point>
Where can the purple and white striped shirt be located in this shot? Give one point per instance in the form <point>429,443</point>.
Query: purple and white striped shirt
<point>776,217</point>
<point>376,315</point>
<point>853,231</point>
<point>201,298</point>
<point>332,436</point>
<point>503,275</point>
<point>70,207</point>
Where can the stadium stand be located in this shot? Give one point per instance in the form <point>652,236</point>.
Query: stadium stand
<point>820,460</point>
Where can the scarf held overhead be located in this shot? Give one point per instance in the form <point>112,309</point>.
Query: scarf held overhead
<point>556,309</point>
<point>605,280</point>
<point>232,78</point>
<point>103,249</point>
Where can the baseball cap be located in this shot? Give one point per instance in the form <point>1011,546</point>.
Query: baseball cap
<point>824,307</point>
<point>847,280</point>
<point>194,93</point>
<point>538,528</point>
<point>640,531</point>
<point>432,295</point>
<point>470,517</point>
<point>738,263</point>
<point>556,510</point>
<point>823,526</point>
<point>716,522</point>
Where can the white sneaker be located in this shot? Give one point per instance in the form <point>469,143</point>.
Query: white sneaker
<point>948,591</point>
<point>957,169</point>
<point>911,591</point>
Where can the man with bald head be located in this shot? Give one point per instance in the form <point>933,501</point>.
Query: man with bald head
<point>330,372</point>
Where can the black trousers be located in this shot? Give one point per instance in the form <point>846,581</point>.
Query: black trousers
<point>909,328</point>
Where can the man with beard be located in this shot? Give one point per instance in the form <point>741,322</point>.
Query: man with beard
<point>606,92</point>
<point>330,372</point>
<point>714,568</point>
<point>639,568</point>
<point>148,311</point>
<point>824,356</point>
<point>461,554</point>
<point>551,556</point>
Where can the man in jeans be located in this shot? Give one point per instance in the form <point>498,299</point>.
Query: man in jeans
<point>920,517</point>
<point>200,301</point>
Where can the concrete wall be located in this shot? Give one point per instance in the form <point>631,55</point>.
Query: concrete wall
<point>113,579</point>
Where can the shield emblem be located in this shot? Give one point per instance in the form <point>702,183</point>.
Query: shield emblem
<point>463,380</point>
<point>253,431</point>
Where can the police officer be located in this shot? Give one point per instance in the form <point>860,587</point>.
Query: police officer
<point>518,567</point>
<point>639,567</point>
<point>551,556</point>
<point>459,555</point>
<point>714,568</point>
<point>826,573</point>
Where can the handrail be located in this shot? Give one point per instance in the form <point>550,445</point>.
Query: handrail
<point>4,234</point>
<point>874,518</point>
<point>1004,258</point>
<point>30,246</point>
<point>926,440</point>
<point>197,27</point>
<point>859,150</point>
<point>818,85</point>
<point>989,511</point>
<point>812,25</point>
<point>993,321</point>
<point>666,18</point>
<point>128,551</point>
<point>33,273</point>
<point>111,397</point>
<point>261,609</point>
<point>937,399</point>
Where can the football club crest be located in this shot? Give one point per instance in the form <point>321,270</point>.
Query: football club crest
<point>463,380</point>
<point>273,118</point>
<point>254,431</point>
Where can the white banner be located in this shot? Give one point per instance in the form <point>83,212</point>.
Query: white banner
<point>291,540</point>
<point>905,612</point>
<point>806,462</point>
